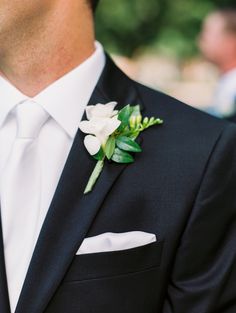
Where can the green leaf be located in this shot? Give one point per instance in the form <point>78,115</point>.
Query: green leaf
<point>127,144</point>
<point>99,156</point>
<point>110,147</point>
<point>124,116</point>
<point>120,156</point>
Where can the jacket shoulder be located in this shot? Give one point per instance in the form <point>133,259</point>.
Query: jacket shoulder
<point>178,114</point>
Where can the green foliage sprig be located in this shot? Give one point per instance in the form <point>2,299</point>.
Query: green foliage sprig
<point>121,144</point>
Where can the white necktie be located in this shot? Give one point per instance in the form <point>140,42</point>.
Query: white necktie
<point>20,191</point>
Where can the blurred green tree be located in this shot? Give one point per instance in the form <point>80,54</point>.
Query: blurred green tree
<point>129,26</point>
<point>126,25</point>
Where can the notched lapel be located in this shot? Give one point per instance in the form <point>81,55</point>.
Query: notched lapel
<point>71,212</point>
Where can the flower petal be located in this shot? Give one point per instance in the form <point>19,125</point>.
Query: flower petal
<point>112,124</point>
<point>86,127</point>
<point>115,112</point>
<point>100,110</point>
<point>92,144</point>
<point>110,106</point>
<point>89,111</point>
<point>109,127</point>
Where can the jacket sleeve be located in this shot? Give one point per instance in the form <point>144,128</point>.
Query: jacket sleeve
<point>203,278</point>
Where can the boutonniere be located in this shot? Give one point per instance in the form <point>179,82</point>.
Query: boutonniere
<point>111,135</point>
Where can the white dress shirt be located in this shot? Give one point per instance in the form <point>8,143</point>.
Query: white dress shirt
<point>65,101</point>
<point>224,101</point>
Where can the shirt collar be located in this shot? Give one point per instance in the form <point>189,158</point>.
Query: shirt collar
<point>229,76</point>
<point>9,98</point>
<point>66,98</point>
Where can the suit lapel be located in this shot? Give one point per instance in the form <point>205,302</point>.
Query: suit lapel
<point>71,212</point>
<point>4,300</point>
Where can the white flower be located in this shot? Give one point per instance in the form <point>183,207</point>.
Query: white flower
<point>92,144</point>
<point>102,122</point>
<point>101,110</point>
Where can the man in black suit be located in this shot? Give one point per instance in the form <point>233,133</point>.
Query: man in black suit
<point>181,189</point>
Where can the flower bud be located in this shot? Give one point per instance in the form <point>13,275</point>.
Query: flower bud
<point>132,121</point>
<point>152,119</point>
<point>145,121</point>
<point>138,119</point>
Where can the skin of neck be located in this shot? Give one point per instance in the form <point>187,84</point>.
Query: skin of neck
<point>227,61</point>
<point>227,66</point>
<point>44,49</point>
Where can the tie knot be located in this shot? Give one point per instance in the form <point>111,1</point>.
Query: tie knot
<point>30,118</point>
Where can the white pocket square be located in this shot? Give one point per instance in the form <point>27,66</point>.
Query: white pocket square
<point>115,241</point>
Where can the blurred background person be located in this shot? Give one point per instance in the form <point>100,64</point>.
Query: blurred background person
<point>218,44</point>
<point>163,52</point>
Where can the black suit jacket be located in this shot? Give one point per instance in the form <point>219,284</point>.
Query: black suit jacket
<point>182,188</point>
<point>232,118</point>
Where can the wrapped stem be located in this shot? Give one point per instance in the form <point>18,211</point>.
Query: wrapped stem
<point>94,176</point>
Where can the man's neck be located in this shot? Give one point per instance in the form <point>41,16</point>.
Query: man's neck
<point>38,61</point>
<point>227,67</point>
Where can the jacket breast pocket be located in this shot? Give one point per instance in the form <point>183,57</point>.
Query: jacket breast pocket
<point>115,263</point>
